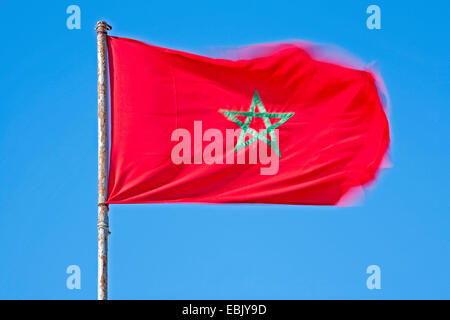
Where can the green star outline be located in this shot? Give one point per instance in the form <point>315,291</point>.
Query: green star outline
<point>256,101</point>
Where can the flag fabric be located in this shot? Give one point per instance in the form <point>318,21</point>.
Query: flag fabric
<point>282,127</point>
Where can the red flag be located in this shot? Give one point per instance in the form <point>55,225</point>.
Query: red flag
<point>279,128</point>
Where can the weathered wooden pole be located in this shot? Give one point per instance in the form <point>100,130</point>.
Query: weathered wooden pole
<point>103,225</point>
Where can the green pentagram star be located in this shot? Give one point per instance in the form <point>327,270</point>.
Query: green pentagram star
<point>273,142</point>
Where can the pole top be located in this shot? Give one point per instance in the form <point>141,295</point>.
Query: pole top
<point>102,27</point>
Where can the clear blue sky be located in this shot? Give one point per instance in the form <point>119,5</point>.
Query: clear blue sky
<point>48,162</point>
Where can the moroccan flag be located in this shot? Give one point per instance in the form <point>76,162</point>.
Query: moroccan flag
<point>281,127</point>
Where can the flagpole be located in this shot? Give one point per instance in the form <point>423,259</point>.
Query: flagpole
<point>103,225</point>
